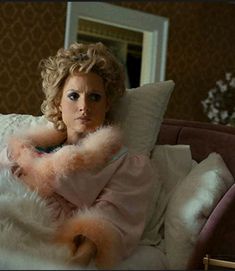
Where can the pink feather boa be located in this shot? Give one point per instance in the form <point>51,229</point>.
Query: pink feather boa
<point>42,171</point>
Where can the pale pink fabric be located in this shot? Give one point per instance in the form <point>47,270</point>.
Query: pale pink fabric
<point>121,192</point>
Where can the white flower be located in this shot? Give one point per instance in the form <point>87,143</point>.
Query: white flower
<point>214,109</point>
<point>232,82</point>
<point>228,76</point>
<point>224,114</point>
<point>233,115</point>
<point>210,115</point>
<point>223,88</point>
<point>220,100</point>
<point>205,103</point>
<point>219,83</point>
<point>210,94</point>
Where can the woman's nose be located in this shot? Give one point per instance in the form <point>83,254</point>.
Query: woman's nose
<point>83,105</point>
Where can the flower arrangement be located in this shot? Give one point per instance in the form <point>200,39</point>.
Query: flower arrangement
<point>219,105</point>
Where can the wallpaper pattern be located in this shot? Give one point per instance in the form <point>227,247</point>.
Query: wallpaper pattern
<point>29,31</point>
<point>200,50</point>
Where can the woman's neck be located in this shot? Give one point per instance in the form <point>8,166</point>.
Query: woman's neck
<point>74,138</point>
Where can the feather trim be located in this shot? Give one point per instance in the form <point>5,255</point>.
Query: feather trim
<point>40,135</point>
<point>92,225</point>
<point>42,172</point>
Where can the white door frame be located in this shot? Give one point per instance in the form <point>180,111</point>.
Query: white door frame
<point>154,28</point>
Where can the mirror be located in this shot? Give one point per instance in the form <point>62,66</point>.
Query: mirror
<point>125,44</point>
<point>134,36</point>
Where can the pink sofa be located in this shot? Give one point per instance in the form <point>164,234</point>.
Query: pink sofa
<point>217,237</point>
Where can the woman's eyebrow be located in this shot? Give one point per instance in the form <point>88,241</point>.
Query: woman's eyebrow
<point>72,89</point>
<point>96,91</point>
<point>88,91</point>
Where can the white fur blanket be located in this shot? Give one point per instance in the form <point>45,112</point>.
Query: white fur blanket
<point>26,228</point>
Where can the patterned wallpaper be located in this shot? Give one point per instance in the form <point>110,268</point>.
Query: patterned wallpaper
<point>200,50</point>
<point>29,31</point>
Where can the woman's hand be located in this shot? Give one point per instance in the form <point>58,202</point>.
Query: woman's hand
<point>84,250</point>
<point>16,145</point>
<point>17,170</point>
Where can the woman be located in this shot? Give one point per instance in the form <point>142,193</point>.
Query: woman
<point>103,210</point>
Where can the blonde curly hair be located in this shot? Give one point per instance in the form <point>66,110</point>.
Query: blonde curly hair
<point>78,57</point>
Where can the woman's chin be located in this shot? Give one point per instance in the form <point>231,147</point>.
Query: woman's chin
<point>86,129</point>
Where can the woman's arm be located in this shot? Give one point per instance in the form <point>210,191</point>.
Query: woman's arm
<point>41,171</point>
<point>116,219</point>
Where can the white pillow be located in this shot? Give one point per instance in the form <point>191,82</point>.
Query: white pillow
<point>140,114</point>
<point>171,163</point>
<point>191,204</point>
<point>9,123</point>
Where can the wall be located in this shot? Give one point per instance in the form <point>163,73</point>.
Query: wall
<point>29,31</point>
<point>200,50</point>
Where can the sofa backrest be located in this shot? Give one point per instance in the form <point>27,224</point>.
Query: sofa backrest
<point>203,139</point>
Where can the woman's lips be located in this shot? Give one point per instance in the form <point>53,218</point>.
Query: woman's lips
<point>84,119</point>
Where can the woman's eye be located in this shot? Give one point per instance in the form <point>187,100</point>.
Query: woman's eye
<point>73,96</point>
<point>95,97</point>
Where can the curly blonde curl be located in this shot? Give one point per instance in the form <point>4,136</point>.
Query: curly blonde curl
<point>78,58</point>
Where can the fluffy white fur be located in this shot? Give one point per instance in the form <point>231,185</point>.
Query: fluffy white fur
<point>26,229</point>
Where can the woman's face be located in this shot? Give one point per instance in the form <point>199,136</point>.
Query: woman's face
<point>83,104</point>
